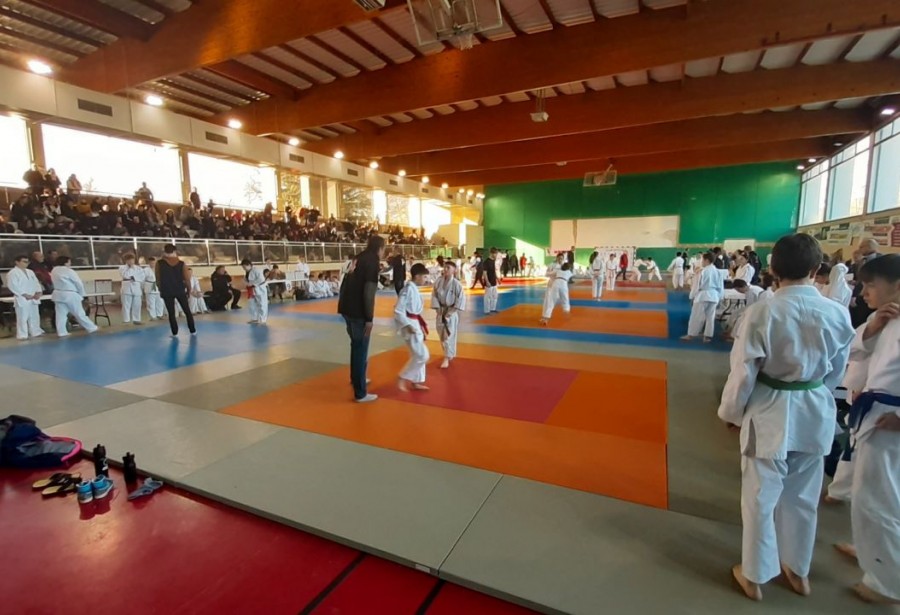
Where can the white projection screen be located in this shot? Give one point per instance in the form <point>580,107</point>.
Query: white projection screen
<point>637,231</point>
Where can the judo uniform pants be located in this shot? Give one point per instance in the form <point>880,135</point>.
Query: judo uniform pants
<point>414,370</point>
<point>131,308</point>
<point>556,294</point>
<point>875,506</point>
<point>259,306</point>
<point>678,278</point>
<point>448,339</point>
<point>597,287</point>
<point>611,281</point>
<point>72,305</point>
<point>779,504</point>
<point>155,305</point>
<point>28,321</point>
<point>703,319</point>
<point>490,299</point>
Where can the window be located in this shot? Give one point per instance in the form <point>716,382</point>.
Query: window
<point>356,204</point>
<point>885,191</point>
<point>812,194</point>
<point>849,178</point>
<point>15,154</point>
<point>109,165</point>
<point>233,184</point>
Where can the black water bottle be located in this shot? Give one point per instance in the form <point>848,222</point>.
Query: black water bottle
<point>129,468</point>
<point>101,465</point>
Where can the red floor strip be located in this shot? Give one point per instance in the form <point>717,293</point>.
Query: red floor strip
<point>456,600</point>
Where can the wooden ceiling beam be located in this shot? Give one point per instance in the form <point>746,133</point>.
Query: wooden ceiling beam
<point>564,55</point>
<point>722,94</point>
<point>36,40</point>
<point>208,33</point>
<point>252,78</point>
<point>100,16</point>
<point>310,60</point>
<point>417,53</point>
<point>701,133</point>
<point>651,163</point>
<point>375,51</point>
<point>296,72</point>
<point>37,23</point>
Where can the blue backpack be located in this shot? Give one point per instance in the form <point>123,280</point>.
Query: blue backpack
<point>24,445</point>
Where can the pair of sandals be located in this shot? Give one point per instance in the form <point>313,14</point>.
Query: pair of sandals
<point>61,483</point>
<point>149,487</point>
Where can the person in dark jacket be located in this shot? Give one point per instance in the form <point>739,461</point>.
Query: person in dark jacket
<point>222,291</point>
<point>174,282</point>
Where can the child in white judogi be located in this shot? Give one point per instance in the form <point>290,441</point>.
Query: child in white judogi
<point>677,269</point>
<point>875,422</point>
<point>68,294</point>
<point>257,293</point>
<point>751,294</point>
<point>132,290</point>
<point>155,305</point>
<point>612,268</point>
<point>838,289</point>
<point>705,297</point>
<point>27,291</point>
<point>196,302</point>
<point>789,355</point>
<point>302,273</point>
<point>557,292</point>
<point>745,270</point>
<point>448,299</point>
<point>635,269</point>
<point>652,269</point>
<point>412,328</point>
<point>598,269</point>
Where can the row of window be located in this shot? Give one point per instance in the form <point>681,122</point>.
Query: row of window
<point>861,178</point>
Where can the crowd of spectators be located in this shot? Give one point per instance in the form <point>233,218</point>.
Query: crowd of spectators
<point>48,207</point>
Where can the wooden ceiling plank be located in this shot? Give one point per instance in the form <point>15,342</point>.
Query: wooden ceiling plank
<point>98,15</point>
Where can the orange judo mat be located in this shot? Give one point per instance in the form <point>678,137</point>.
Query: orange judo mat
<point>644,323</point>
<point>606,433</point>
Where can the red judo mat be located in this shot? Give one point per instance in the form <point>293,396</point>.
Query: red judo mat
<point>177,553</point>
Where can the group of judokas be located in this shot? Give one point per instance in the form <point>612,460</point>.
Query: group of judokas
<point>791,352</point>
<point>139,286</point>
<point>68,297</point>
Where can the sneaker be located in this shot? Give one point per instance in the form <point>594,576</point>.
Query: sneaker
<point>368,398</point>
<point>101,486</point>
<point>84,491</point>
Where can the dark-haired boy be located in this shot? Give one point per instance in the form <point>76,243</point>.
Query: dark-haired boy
<point>789,355</point>
<point>875,419</point>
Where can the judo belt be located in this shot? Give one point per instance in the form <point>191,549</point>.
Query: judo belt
<point>781,385</point>
<point>421,320</point>
<point>250,292</point>
<point>863,403</point>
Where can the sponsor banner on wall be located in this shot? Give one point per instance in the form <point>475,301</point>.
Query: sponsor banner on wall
<point>885,229</point>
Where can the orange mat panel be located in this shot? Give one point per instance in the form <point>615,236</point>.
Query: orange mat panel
<point>644,323</point>
<point>581,450</point>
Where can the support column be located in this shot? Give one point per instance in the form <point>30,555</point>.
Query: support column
<point>36,143</point>
<point>185,176</point>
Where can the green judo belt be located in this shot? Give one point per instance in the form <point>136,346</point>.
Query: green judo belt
<point>781,385</point>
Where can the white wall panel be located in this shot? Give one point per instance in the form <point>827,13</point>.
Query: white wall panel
<point>91,107</point>
<point>26,91</point>
<point>295,158</point>
<point>160,124</point>
<point>215,138</point>
<point>260,149</point>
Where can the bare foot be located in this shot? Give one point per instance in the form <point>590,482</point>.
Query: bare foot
<point>867,594</point>
<point>445,363</point>
<point>403,385</point>
<point>543,322</point>
<point>799,584</point>
<point>827,499</point>
<point>420,386</point>
<point>847,549</point>
<point>707,340</point>
<point>751,589</point>
<point>686,338</point>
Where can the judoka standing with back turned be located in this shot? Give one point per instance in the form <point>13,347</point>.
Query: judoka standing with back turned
<point>449,299</point>
<point>790,353</point>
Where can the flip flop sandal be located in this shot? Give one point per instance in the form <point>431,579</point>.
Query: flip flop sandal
<point>67,486</point>
<point>50,481</point>
<point>148,488</point>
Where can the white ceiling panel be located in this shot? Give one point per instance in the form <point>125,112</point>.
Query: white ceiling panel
<point>702,68</point>
<point>528,15</point>
<point>670,72</point>
<point>401,117</point>
<point>444,110</point>
<point>816,106</point>
<point>827,50</point>
<point>382,41</point>
<point>320,55</point>
<point>517,97</point>
<point>571,88</point>
<point>783,56</point>
<point>286,57</point>
<point>345,45</point>
<point>741,62</point>
<point>491,101</point>
<point>273,71</point>
<point>617,8</point>
<point>873,45</point>
<point>631,78</point>
<point>601,83</point>
<point>400,22</point>
<point>381,121</point>
<point>663,4</point>
<point>228,84</point>
<point>467,105</point>
<point>571,12</point>
<point>422,114</point>
<point>850,103</point>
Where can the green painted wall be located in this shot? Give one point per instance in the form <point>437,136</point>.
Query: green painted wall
<point>759,201</point>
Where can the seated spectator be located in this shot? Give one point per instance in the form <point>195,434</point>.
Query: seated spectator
<point>319,288</point>
<point>277,288</point>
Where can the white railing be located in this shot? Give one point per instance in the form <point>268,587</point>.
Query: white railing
<point>96,252</point>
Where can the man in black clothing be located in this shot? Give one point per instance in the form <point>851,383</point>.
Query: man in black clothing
<point>357,305</point>
<point>478,278</point>
<point>489,281</point>
<point>222,291</point>
<point>398,271</point>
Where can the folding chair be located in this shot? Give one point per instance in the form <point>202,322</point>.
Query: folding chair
<point>102,288</point>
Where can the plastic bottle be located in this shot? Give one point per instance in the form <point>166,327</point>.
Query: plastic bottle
<point>101,465</point>
<point>129,468</point>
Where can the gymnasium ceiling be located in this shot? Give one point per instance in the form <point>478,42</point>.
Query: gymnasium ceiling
<point>648,85</point>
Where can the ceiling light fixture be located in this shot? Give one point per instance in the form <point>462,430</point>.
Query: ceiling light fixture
<point>800,167</point>
<point>426,179</point>
<point>235,123</point>
<point>461,190</point>
<point>889,111</point>
<point>373,164</point>
<point>40,68</point>
<point>479,196</point>
<point>339,155</point>
<point>811,160</point>
<point>402,172</point>
<point>445,185</point>
<point>470,192</point>
<point>293,141</point>
<point>153,100</point>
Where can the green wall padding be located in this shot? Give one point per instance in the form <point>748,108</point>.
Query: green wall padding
<point>759,201</point>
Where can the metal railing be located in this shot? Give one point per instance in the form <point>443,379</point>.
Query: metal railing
<point>97,252</point>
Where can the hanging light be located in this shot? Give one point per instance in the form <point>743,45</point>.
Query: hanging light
<point>373,164</point>
<point>339,155</point>
<point>40,68</point>
<point>402,172</point>
<point>426,179</point>
<point>235,123</point>
<point>293,141</point>
<point>153,100</point>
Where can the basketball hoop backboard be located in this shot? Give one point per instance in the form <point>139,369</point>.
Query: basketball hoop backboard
<point>453,20</point>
